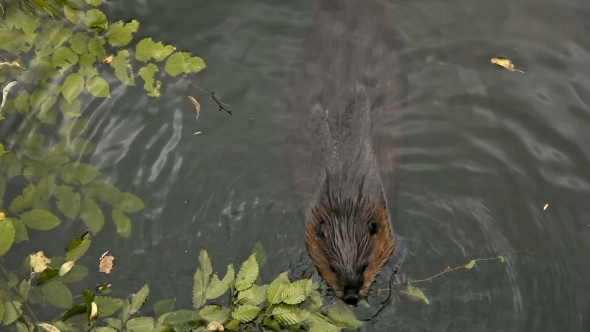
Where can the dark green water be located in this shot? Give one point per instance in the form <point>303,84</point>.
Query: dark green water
<point>486,150</point>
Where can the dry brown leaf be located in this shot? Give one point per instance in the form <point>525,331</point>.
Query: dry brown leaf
<point>106,263</point>
<point>108,59</point>
<point>65,268</point>
<point>39,262</point>
<point>506,63</point>
<point>197,106</point>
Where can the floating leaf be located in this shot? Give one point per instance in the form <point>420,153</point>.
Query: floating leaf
<point>93,311</point>
<point>216,326</point>
<point>96,48</point>
<point>24,201</point>
<point>78,309</point>
<point>105,264</point>
<point>12,311</point>
<point>78,247</point>
<point>141,324</point>
<point>288,314</point>
<point>21,233</point>
<point>7,235</point>
<point>205,262</point>
<point>248,274</point>
<point>201,281</point>
<point>72,87</point>
<point>197,106</point>
<point>415,294</point>
<point>163,307</point>
<point>151,85</point>
<point>79,173</point>
<point>107,305</point>
<point>215,313</point>
<point>40,219</point>
<point>506,63</point>
<point>96,19</point>
<point>98,87</point>
<point>218,287</point>
<point>183,63</point>
<point>181,317</point>
<point>122,67</point>
<point>5,92</point>
<point>71,109</point>
<point>469,265</point>
<point>65,268</point>
<point>92,215</point>
<point>119,34</point>
<point>294,293</point>
<point>65,58</point>
<point>68,201</point>
<point>502,259</point>
<point>95,3</point>
<point>254,295</point>
<point>72,128</point>
<point>79,43</point>
<point>117,324</point>
<point>260,254</point>
<point>77,273</point>
<point>73,15</point>
<point>21,102</point>
<point>57,294</point>
<point>147,49</point>
<point>47,275</point>
<point>276,288</point>
<point>104,190</point>
<point>122,223</point>
<point>245,313</point>
<point>87,67</point>
<point>48,327</point>
<point>129,203</point>
<point>343,316</point>
<point>319,324</point>
<point>139,299</point>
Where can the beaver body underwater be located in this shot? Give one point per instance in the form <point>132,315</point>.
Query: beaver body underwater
<point>344,100</point>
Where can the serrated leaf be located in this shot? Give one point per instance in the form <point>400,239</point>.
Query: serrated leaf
<point>183,63</point>
<point>151,85</point>
<point>248,274</point>
<point>48,327</point>
<point>343,316</point>
<point>276,288</point>
<point>68,201</point>
<point>129,203</point>
<point>254,295</point>
<point>92,215</point>
<point>245,313</point>
<point>12,280</point>
<point>73,86</point>
<point>260,254</point>
<point>289,315</point>
<point>95,3</point>
<point>78,309</point>
<point>7,235</point>
<point>469,265</point>
<point>415,294</point>
<point>65,268</point>
<point>79,173</point>
<point>319,324</point>
<point>98,87</point>
<point>64,58</point>
<point>73,15</point>
<point>115,323</point>
<point>139,299</point>
<point>122,223</point>
<point>21,102</point>
<point>205,262</point>
<point>40,219</point>
<point>181,317</point>
<point>23,290</point>
<point>199,288</point>
<point>46,186</point>
<point>147,49</point>
<point>107,305</point>
<point>106,191</point>
<point>141,324</point>
<point>77,273</point>
<point>24,201</point>
<point>215,313</point>
<point>163,307</point>
<point>71,109</point>
<point>96,48</point>
<point>72,128</point>
<point>79,43</point>
<point>125,310</point>
<point>2,310</point>
<point>218,287</point>
<point>122,67</point>
<point>120,34</point>
<point>294,293</point>
<point>78,247</point>
<point>57,294</point>
<point>87,67</point>
<point>96,19</point>
<point>12,311</point>
<point>46,276</point>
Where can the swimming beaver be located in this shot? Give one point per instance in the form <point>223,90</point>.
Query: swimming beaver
<point>344,93</point>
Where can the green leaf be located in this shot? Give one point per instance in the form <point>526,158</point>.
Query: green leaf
<point>415,294</point>
<point>23,290</point>
<point>46,186</point>
<point>72,128</point>
<point>73,15</point>
<point>78,309</point>
<point>276,288</point>
<point>122,67</point>
<point>248,274</point>
<point>218,287</point>
<point>103,190</point>
<point>57,294</point>
<point>79,43</point>
<point>319,324</point>
<point>78,247</point>
<point>141,324</point>
<point>254,295</point>
<point>65,58</point>
<point>71,109</point>
<point>115,323</point>
<point>95,3</point>
<point>215,313</point>
<point>183,63</point>
<point>181,317</point>
<point>68,201</point>
<point>233,325</point>
<point>469,265</point>
<point>129,203</point>
<point>245,313</point>
<point>46,113</point>
<point>205,262</point>
<point>79,173</point>
<point>163,307</point>
<point>151,85</point>
<point>2,310</point>
<point>87,68</point>
<point>47,275</point>
<point>21,233</point>
<point>343,316</point>
<point>201,281</point>
<point>122,223</point>
<point>72,87</point>
<point>260,254</point>
<point>76,147</point>
<point>12,280</point>
<point>24,201</point>
<point>13,310</point>
<point>98,87</point>
<point>147,49</point>
<point>139,299</point>
<point>40,219</point>
<point>96,19</point>
<point>125,311</point>
<point>96,48</point>
<point>289,315</point>
<point>77,273</point>
<point>119,34</point>
<point>107,305</point>
<point>294,293</point>
<point>92,215</point>
<point>21,102</point>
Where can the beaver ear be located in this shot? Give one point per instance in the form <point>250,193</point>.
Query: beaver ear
<point>319,229</point>
<point>373,226</point>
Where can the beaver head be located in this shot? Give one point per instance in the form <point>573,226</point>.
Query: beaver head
<point>349,241</point>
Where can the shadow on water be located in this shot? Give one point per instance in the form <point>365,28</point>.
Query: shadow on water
<point>486,150</point>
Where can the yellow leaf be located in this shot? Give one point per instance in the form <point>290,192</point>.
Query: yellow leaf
<point>93,311</point>
<point>2,216</point>
<point>214,326</point>
<point>197,106</point>
<point>65,268</point>
<point>506,63</point>
<point>415,294</point>
<point>39,262</point>
<point>469,265</point>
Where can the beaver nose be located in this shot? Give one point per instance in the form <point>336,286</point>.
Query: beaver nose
<point>351,295</point>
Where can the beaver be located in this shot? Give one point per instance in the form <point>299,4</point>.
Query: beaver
<point>343,101</point>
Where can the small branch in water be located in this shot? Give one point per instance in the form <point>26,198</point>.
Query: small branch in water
<point>219,103</point>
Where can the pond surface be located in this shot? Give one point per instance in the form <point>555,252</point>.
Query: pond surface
<point>486,149</point>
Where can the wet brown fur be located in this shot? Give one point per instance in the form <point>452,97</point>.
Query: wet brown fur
<point>342,136</point>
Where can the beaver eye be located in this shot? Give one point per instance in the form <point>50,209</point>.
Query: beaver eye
<point>364,267</point>
<point>373,227</point>
<point>320,228</point>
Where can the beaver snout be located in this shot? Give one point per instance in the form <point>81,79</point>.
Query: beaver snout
<point>351,295</point>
